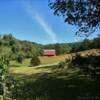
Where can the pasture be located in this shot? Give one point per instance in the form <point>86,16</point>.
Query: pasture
<point>25,66</point>
<point>48,82</point>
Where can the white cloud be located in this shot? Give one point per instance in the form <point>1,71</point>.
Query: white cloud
<point>51,34</point>
<point>35,16</point>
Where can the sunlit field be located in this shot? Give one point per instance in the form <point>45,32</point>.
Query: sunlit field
<point>52,83</point>
<point>25,68</point>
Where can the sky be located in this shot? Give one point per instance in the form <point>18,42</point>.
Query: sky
<point>34,21</point>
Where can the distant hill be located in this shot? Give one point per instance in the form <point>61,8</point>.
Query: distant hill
<point>13,47</point>
<point>86,44</point>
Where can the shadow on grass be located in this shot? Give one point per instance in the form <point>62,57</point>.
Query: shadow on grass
<point>48,87</point>
<point>18,65</point>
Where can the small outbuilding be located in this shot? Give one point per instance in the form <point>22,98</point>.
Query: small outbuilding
<point>49,52</point>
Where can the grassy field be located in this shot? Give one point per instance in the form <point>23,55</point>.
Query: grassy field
<point>25,68</point>
<point>51,83</point>
<point>48,82</point>
<point>54,59</point>
<point>45,61</point>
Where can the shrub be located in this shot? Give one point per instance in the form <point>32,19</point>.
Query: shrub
<point>35,61</point>
<point>20,58</point>
<point>4,62</point>
<point>89,65</point>
<point>61,65</point>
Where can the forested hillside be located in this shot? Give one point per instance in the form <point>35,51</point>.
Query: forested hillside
<point>13,47</point>
<point>86,44</point>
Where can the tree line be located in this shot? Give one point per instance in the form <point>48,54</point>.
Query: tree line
<point>15,48</point>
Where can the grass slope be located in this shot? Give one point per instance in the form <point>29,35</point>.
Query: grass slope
<point>47,82</point>
<point>51,83</point>
<point>45,61</point>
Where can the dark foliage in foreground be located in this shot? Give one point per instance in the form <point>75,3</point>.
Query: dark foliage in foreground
<point>89,65</point>
<point>4,62</point>
<point>48,87</point>
<point>82,13</point>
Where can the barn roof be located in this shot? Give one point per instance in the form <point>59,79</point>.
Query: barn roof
<point>49,50</point>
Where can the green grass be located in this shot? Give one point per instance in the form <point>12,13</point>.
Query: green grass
<point>51,83</point>
<point>25,68</point>
<point>44,61</point>
<point>52,60</point>
<point>48,82</point>
<point>31,70</point>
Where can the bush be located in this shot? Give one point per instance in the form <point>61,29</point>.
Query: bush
<point>61,65</point>
<point>35,61</point>
<point>89,65</point>
<point>20,58</point>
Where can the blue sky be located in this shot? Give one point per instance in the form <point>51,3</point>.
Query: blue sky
<point>33,20</point>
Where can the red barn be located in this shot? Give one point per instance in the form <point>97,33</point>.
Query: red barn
<point>50,52</point>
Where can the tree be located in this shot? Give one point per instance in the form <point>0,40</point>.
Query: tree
<point>82,13</point>
<point>3,74</point>
<point>8,37</point>
<point>20,58</point>
<point>35,61</point>
<point>85,45</point>
<point>96,42</point>
<point>88,65</point>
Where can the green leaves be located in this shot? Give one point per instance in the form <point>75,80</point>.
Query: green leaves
<point>35,61</point>
<point>83,13</point>
<point>4,62</point>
